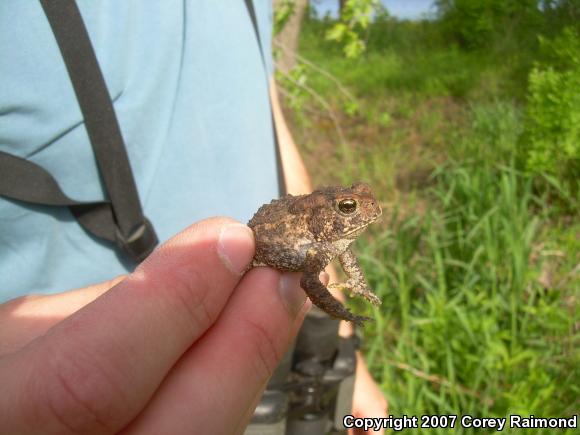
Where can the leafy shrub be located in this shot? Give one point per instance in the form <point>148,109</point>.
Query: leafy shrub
<point>355,18</point>
<point>477,24</point>
<point>552,128</point>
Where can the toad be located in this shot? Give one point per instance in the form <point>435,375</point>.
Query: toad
<point>305,233</point>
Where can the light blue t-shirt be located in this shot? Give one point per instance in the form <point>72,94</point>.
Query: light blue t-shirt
<point>190,92</point>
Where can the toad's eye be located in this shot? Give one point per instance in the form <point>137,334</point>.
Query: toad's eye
<point>347,206</point>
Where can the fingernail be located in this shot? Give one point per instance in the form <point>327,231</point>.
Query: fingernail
<point>292,294</point>
<point>236,247</point>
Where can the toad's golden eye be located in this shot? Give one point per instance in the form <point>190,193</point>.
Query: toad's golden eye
<point>347,206</point>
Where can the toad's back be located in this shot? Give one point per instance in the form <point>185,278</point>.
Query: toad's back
<point>282,237</point>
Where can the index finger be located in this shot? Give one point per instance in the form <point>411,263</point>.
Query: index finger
<point>27,317</point>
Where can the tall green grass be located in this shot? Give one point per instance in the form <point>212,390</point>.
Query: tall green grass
<point>466,326</point>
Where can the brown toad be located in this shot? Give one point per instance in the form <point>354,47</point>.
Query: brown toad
<point>304,233</point>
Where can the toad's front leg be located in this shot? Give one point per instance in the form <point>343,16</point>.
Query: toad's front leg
<point>319,294</point>
<point>356,283</point>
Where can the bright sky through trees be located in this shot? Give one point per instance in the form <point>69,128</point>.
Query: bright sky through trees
<point>409,9</point>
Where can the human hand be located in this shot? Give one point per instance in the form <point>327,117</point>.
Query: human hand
<point>368,400</point>
<point>184,344</point>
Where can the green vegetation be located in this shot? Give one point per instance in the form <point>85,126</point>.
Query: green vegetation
<point>553,111</point>
<point>470,136</point>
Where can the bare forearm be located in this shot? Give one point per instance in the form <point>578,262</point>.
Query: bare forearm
<point>298,180</point>
<point>295,173</point>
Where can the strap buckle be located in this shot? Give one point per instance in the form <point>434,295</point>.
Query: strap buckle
<point>140,243</point>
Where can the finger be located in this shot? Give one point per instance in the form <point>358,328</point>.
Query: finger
<point>216,385</point>
<point>95,370</point>
<point>23,319</point>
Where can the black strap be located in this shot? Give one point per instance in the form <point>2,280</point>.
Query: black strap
<point>281,181</point>
<point>121,220</point>
<point>28,182</point>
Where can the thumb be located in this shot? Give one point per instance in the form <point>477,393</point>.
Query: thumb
<point>94,371</point>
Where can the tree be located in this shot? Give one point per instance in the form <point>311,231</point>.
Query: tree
<point>289,14</point>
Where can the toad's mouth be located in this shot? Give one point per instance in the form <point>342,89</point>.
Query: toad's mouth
<point>355,232</point>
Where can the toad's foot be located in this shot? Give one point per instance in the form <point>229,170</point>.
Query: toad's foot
<point>356,289</point>
<point>321,297</point>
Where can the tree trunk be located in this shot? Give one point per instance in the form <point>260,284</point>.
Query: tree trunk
<point>341,4</point>
<point>287,39</point>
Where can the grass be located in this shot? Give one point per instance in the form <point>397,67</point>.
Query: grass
<point>466,327</point>
<point>478,269</point>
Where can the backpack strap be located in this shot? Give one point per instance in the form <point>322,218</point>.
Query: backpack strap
<point>119,220</point>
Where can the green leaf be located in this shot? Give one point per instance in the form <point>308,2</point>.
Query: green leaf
<point>337,32</point>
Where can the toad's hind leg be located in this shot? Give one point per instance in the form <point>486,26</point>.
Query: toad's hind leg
<point>322,298</point>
